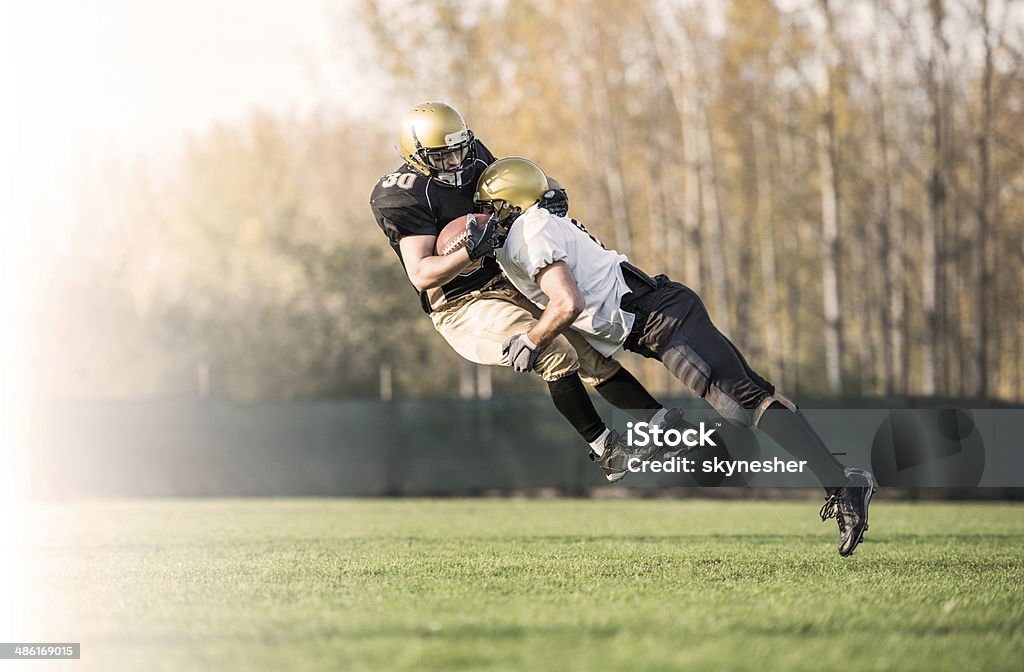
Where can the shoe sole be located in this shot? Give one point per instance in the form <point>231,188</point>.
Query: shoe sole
<point>867,504</point>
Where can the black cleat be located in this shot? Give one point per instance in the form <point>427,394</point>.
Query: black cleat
<point>849,506</point>
<point>615,459</point>
<point>674,420</point>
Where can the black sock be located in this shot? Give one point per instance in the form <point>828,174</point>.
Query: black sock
<point>573,402</point>
<point>791,430</point>
<point>625,392</point>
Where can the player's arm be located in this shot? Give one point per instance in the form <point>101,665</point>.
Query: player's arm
<point>427,270</point>
<point>565,303</point>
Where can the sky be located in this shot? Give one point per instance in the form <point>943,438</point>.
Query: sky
<point>131,73</point>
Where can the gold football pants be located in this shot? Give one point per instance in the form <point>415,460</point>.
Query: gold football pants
<point>478,324</point>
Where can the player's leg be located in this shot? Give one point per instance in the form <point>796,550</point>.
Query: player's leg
<point>477,327</point>
<point>680,332</point>
<point>621,389</point>
<point>612,381</point>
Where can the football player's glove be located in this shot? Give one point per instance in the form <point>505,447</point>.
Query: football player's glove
<point>483,240</point>
<point>555,201</point>
<point>521,353</point>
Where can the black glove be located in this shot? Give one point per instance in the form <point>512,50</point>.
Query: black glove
<point>555,201</point>
<point>521,357</point>
<point>483,240</point>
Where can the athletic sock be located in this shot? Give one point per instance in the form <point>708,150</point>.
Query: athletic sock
<point>597,445</point>
<point>573,402</point>
<point>625,392</point>
<point>795,435</point>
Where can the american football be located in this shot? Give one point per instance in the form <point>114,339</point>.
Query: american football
<point>453,236</point>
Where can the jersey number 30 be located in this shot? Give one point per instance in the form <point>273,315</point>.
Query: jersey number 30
<point>403,180</point>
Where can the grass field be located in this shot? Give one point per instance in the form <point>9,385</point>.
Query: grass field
<point>527,585</point>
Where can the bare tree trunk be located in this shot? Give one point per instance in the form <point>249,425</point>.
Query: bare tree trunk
<point>985,233</point>
<point>874,307</point>
<point>714,251</point>
<point>484,382</point>
<point>764,212</point>
<point>896,264</point>
<point>828,159</point>
<point>606,138</point>
<point>659,242</point>
<point>656,236</point>
<point>665,34</point>
<point>886,248</point>
<point>830,256</point>
<point>892,238</point>
<point>1019,350</point>
<point>794,272</point>
<point>467,379</point>
<point>691,198</point>
<point>934,222</point>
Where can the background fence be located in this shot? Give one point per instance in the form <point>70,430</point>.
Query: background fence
<point>327,448</point>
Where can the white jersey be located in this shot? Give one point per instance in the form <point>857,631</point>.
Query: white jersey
<point>538,239</point>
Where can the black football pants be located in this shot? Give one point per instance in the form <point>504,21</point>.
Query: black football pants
<point>672,325</point>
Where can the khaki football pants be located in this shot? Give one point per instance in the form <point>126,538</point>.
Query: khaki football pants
<point>478,324</point>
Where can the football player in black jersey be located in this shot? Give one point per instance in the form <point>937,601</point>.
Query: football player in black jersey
<point>469,301</point>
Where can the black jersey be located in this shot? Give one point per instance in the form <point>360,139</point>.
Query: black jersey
<point>408,203</point>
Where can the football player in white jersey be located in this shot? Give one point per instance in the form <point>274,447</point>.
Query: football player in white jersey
<point>583,286</point>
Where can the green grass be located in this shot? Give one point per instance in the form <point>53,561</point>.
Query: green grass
<point>529,585</point>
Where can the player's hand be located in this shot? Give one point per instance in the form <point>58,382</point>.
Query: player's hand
<point>483,240</point>
<point>521,353</point>
<point>555,201</point>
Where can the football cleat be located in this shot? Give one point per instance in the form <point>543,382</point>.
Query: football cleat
<point>614,461</point>
<point>674,420</point>
<point>849,506</point>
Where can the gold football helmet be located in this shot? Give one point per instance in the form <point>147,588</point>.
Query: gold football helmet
<point>510,186</point>
<point>436,142</point>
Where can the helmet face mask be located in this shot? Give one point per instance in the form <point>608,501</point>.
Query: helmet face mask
<point>504,212</point>
<point>436,142</point>
<point>438,159</point>
<point>510,186</point>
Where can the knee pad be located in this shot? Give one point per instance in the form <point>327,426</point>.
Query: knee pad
<point>684,362</point>
<point>689,367</point>
<point>729,408</point>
